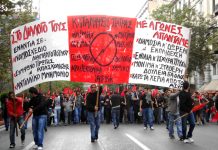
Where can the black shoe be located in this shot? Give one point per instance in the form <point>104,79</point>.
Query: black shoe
<point>12,146</point>
<point>181,139</point>
<point>6,129</point>
<point>96,137</point>
<point>115,127</point>
<point>92,140</point>
<point>172,137</point>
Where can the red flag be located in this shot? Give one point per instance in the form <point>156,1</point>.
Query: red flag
<point>89,90</point>
<point>67,90</point>
<point>154,92</point>
<point>105,89</point>
<point>122,94</point>
<point>215,117</point>
<point>117,90</point>
<point>134,88</point>
<point>198,107</point>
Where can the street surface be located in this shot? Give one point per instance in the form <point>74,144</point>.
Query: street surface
<point>126,137</point>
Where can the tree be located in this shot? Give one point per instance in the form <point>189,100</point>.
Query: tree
<point>9,21</point>
<point>6,7</point>
<point>200,52</point>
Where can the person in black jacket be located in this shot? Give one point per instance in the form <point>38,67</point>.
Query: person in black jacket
<point>38,106</point>
<point>93,113</point>
<point>115,104</point>
<point>186,103</point>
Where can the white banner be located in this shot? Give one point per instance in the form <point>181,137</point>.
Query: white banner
<point>40,53</point>
<point>159,54</point>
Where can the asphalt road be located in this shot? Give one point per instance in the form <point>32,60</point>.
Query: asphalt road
<point>126,137</point>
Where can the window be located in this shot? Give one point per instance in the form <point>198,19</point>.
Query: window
<point>200,6</point>
<point>214,69</point>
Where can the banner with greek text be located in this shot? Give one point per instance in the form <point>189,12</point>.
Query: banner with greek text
<point>159,54</point>
<point>40,53</point>
<point>100,48</point>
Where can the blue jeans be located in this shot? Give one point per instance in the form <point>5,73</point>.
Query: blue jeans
<point>12,129</point>
<point>116,116</point>
<point>102,114</point>
<point>131,114</point>
<point>94,122</point>
<point>57,112</point>
<point>172,117</point>
<point>25,115</point>
<point>147,116</point>
<point>77,114</point>
<point>6,121</point>
<point>38,125</point>
<point>191,119</point>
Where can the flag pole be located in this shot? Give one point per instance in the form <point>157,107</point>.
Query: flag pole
<point>97,99</point>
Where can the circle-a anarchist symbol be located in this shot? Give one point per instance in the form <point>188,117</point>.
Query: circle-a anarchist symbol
<point>103,49</point>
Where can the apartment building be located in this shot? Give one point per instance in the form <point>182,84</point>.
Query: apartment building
<point>206,8</point>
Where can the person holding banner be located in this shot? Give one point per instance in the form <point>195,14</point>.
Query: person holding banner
<point>186,104</point>
<point>15,113</point>
<point>93,114</point>
<point>173,109</point>
<point>38,106</point>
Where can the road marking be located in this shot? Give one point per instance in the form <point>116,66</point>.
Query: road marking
<point>29,146</point>
<point>138,142</point>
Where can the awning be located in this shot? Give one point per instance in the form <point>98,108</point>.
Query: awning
<point>212,86</point>
<point>202,88</point>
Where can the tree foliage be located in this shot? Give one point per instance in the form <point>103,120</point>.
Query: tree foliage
<point>9,21</point>
<point>6,7</point>
<point>202,35</point>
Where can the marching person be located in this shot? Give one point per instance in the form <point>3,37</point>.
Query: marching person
<point>15,113</point>
<point>146,109</point>
<point>115,104</point>
<point>38,106</point>
<point>4,99</point>
<point>93,114</point>
<point>173,109</point>
<point>78,99</point>
<point>186,103</point>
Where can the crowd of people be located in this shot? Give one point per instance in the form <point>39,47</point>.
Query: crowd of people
<point>146,106</point>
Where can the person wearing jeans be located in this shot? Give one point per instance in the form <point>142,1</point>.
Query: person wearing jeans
<point>57,109</point>
<point>93,107</point>
<point>146,109</point>
<point>78,99</point>
<point>186,103</point>
<point>173,108</point>
<point>115,103</point>
<point>38,106</point>
<point>15,113</point>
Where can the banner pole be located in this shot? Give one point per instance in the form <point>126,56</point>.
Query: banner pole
<point>97,99</point>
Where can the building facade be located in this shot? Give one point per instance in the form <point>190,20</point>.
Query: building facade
<point>205,7</point>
